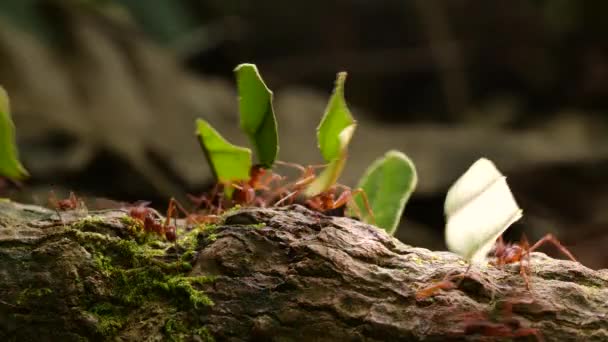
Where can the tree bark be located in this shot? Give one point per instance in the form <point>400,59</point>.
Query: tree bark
<point>278,274</point>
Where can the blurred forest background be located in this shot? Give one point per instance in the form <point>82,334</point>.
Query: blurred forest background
<point>105,94</point>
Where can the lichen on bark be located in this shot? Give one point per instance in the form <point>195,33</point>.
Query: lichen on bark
<point>265,274</point>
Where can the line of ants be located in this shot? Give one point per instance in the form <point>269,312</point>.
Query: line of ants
<point>266,188</point>
<point>263,189</point>
<point>504,254</point>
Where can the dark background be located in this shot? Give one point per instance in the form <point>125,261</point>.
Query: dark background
<point>105,94</point>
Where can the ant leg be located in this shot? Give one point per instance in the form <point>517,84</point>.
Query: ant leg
<point>445,284</point>
<point>300,167</point>
<point>524,262</point>
<point>499,251</point>
<point>170,211</point>
<point>550,238</point>
<point>344,198</point>
<point>351,194</point>
<point>368,207</point>
<point>461,275</point>
<point>54,202</point>
<point>523,271</point>
<point>284,199</point>
<point>179,207</point>
<point>198,201</point>
<point>273,177</point>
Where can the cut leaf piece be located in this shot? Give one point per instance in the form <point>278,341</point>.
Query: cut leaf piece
<point>257,115</point>
<point>10,166</point>
<point>332,172</point>
<point>336,118</point>
<point>479,207</point>
<point>388,184</point>
<point>229,163</point>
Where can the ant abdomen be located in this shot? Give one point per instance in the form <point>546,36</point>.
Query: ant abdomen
<point>170,233</point>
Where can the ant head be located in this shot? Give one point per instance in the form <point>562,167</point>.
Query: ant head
<point>257,171</point>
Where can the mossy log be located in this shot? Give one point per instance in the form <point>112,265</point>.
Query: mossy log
<point>285,274</point>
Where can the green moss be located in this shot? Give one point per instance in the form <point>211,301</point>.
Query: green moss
<point>212,237</point>
<point>206,227</point>
<point>204,334</point>
<point>188,256</point>
<point>189,240</point>
<point>186,266</point>
<point>142,272</point>
<point>182,288</point>
<point>175,330</point>
<point>32,294</point>
<point>110,318</point>
<point>231,211</point>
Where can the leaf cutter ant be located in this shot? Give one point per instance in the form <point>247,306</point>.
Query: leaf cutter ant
<point>445,284</point>
<point>70,203</point>
<point>327,200</point>
<point>153,224</point>
<point>508,253</point>
<point>289,192</point>
<point>476,323</point>
<point>212,202</point>
<point>260,179</point>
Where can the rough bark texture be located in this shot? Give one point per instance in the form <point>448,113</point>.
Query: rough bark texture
<point>284,274</point>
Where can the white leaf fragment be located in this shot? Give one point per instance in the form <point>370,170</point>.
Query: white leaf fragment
<point>479,207</point>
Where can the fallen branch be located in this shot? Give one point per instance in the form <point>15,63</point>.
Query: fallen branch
<point>269,274</point>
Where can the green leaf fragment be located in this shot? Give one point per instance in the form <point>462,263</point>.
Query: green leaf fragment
<point>10,166</point>
<point>388,183</point>
<point>258,120</point>
<point>229,163</point>
<point>332,172</point>
<point>336,118</point>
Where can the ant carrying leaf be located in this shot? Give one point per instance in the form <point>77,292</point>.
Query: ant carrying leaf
<point>232,165</point>
<point>10,166</point>
<point>508,253</point>
<point>479,207</point>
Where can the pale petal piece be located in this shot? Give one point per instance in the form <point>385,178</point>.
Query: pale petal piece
<point>479,207</point>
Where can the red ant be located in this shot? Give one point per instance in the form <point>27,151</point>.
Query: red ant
<point>324,201</point>
<point>291,191</point>
<point>507,326</point>
<point>245,193</point>
<point>327,200</point>
<point>511,253</point>
<point>140,211</point>
<point>148,217</point>
<point>446,284</point>
<point>505,253</point>
<point>212,202</point>
<point>70,203</point>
